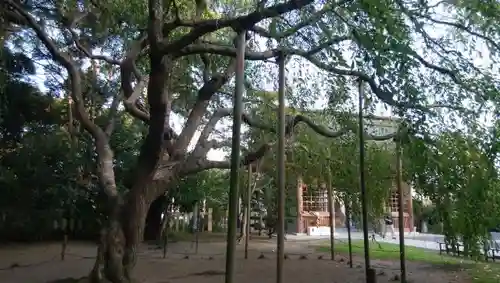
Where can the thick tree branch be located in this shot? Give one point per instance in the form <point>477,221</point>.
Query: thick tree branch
<point>113,111</point>
<point>131,102</point>
<point>203,145</point>
<point>206,67</point>
<point>88,53</point>
<point>309,21</point>
<point>131,95</point>
<point>205,164</point>
<point>204,96</point>
<point>158,96</point>
<point>197,163</point>
<point>11,17</point>
<point>153,147</point>
<point>104,152</point>
<point>291,31</point>
<point>226,50</point>
<point>239,23</point>
<point>70,23</point>
<point>382,94</point>
<point>127,71</point>
<point>66,61</point>
<point>198,110</point>
<point>155,33</point>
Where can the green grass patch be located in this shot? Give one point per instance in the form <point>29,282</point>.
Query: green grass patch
<point>481,272</point>
<point>485,272</point>
<point>391,251</point>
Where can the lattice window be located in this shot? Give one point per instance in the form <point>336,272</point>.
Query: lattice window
<point>393,203</point>
<point>315,201</point>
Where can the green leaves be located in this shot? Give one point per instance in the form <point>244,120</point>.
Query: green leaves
<point>316,160</point>
<point>211,186</point>
<point>456,173</point>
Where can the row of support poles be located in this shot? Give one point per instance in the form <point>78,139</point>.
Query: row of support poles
<point>235,166</point>
<point>235,159</point>
<point>281,168</point>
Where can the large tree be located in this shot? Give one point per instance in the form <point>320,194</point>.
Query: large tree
<point>181,55</point>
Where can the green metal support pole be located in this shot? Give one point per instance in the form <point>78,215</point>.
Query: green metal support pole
<point>369,272</point>
<point>348,224</point>
<point>248,210</point>
<point>196,215</point>
<point>235,160</point>
<point>281,169</point>
<point>399,184</point>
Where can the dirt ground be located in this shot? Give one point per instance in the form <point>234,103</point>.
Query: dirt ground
<point>41,263</point>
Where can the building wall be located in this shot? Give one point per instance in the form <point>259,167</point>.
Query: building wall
<point>307,213</point>
<point>407,207</point>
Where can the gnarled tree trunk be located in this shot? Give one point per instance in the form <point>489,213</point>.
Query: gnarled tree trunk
<point>121,237</point>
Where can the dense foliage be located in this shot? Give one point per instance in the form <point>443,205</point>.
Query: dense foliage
<point>459,175</point>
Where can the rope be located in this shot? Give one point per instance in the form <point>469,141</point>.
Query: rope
<point>16,265</point>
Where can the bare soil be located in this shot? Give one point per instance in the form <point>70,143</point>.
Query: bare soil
<point>41,263</point>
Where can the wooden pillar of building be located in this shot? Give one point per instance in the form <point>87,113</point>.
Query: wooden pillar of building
<point>300,206</point>
<point>209,219</point>
<point>334,215</point>
<point>409,205</point>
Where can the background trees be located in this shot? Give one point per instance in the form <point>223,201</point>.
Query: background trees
<point>457,173</point>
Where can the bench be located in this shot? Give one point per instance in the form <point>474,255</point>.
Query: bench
<point>490,250</point>
<point>444,247</point>
<point>493,247</point>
